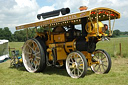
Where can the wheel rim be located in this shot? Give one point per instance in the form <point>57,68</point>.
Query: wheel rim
<point>75,65</point>
<point>31,56</point>
<point>103,63</point>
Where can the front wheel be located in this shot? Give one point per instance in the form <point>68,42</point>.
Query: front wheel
<point>104,62</point>
<point>76,64</point>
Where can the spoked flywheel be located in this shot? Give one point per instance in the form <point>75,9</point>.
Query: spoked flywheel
<point>104,62</point>
<point>76,64</point>
<point>33,55</point>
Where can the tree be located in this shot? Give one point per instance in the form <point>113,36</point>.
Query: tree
<point>116,33</point>
<point>5,34</point>
<point>1,33</point>
<point>19,36</point>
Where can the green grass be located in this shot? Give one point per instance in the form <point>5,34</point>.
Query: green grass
<point>54,76</point>
<point>118,74</point>
<point>113,46</point>
<point>123,35</point>
<point>16,45</point>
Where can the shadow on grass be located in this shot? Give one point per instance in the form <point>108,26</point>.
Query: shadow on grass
<point>52,70</point>
<point>62,71</point>
<point>20,68</point>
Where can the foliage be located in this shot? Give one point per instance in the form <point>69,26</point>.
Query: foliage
<point>116,33</point>
<point>21,35</point>
<point>5,34</point>
<point>124,33</point>
<point>18,36</point>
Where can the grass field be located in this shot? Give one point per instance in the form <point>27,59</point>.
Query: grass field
<point>113,46</point>
<point>118,74</point>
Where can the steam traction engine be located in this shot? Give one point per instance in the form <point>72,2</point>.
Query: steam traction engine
<point>62,44</point>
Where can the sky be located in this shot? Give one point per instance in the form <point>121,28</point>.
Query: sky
<point>17,12</point>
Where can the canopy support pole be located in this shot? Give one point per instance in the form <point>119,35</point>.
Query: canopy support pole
<point>97,23</point>
<point>110,33</point>
<point>113,25</point>
<point>27,33</point>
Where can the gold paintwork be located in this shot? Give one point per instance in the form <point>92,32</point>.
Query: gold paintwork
<point>57,40</point>
<point>59,37</point>
<point>61,54</point>
<point>70,46</point>
<point>92,30</point>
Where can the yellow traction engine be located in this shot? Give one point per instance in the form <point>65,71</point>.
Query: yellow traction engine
<point>70,40</point>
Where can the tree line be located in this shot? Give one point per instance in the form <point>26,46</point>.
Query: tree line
<point>20,36</point>
<point>17,36</point>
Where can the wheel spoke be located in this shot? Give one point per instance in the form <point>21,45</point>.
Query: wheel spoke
<point>36,63</point>
<point>37,53</point>
<point>96,56</point>
<point>72,70</point>
<point>70,66</point>
<point>103,67</point>
<point>81,67</point>
<point>71,59</point>
<point>70,62</point>
<point>38,58</point>
<point>79,71</point>
<point>98,68</point>
<point>27,52</point>
<point>33,44</point>
<point>31,61</point>
<point>35,47</point>
<point>75,59</point>
<point>95,65</point>
<point>29,46</point>
<point>104,61</point>
<point>80,61</point>
<point>74,55</point>
<point>103,57</point>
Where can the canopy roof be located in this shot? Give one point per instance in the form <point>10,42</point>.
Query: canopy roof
<point>75,18</point>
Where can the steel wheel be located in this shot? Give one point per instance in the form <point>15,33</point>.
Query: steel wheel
<point>33,56</point>
<point>76,64</point>
<point>104,62</point>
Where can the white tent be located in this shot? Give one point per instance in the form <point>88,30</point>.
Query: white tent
<point>4,52</point>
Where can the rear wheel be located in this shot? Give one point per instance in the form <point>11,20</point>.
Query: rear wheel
<point>104,62</point>
<point>76,64</point>
<point>33,54</point>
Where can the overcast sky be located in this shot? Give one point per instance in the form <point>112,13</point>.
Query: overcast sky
<point>16,12</point>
